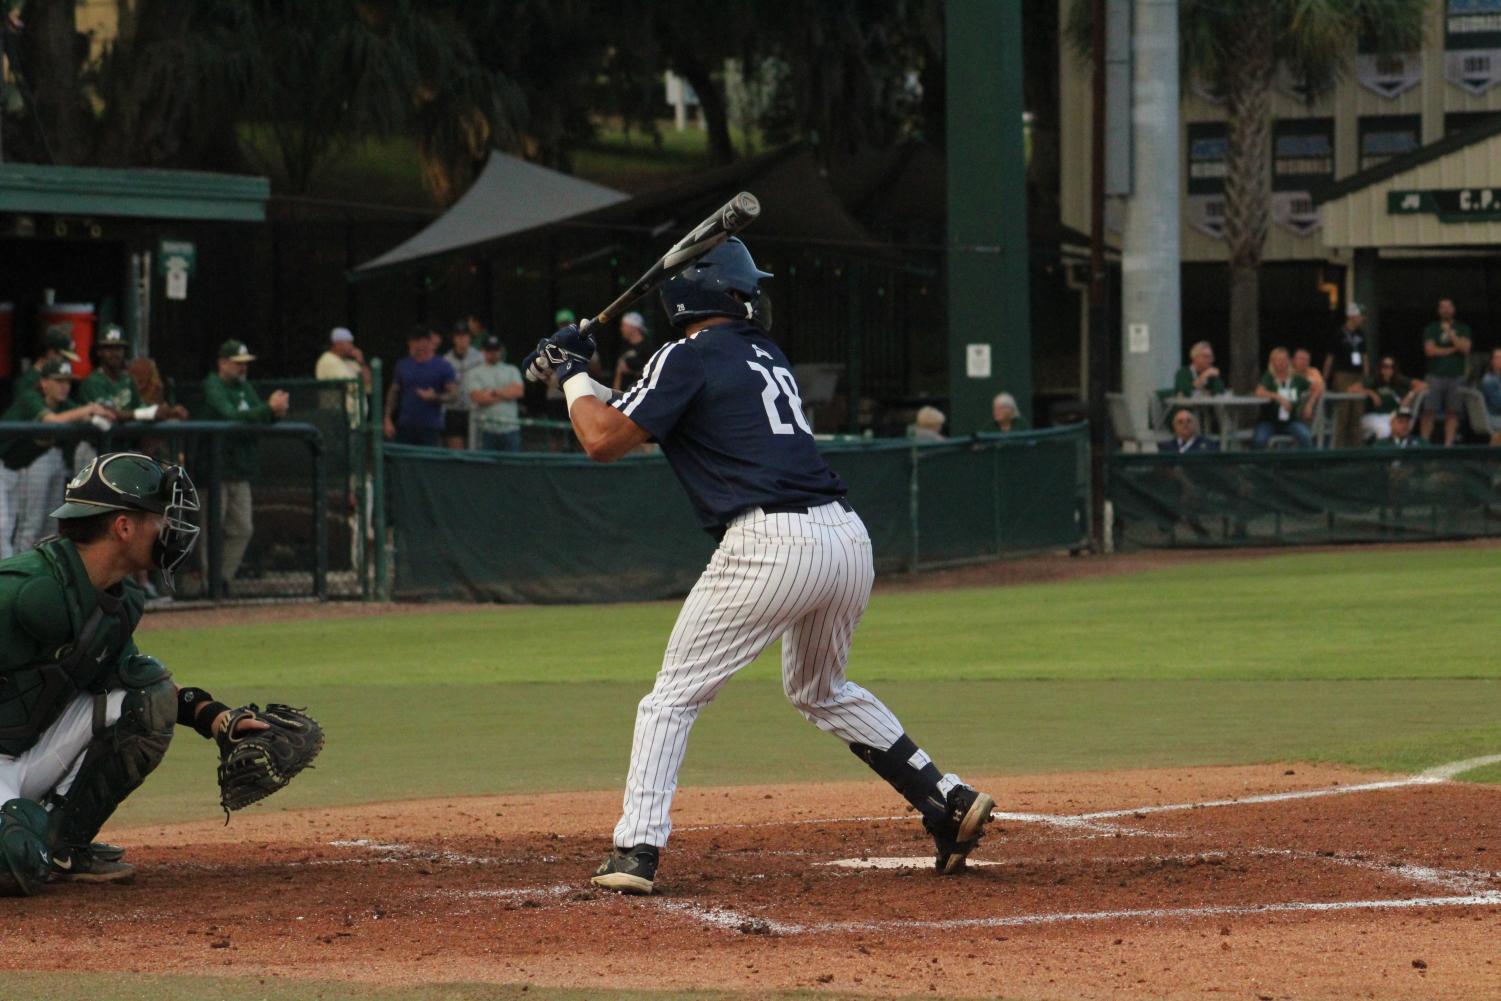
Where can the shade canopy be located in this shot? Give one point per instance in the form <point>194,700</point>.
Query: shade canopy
<point>510,196</point>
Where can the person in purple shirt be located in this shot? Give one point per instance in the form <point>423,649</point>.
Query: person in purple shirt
<point>420,385</point>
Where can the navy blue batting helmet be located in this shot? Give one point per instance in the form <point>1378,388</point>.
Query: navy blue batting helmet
<point>704,288</point>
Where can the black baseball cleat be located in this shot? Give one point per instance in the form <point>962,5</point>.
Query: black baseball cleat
<point>961,829</point>
<point>106,852</point>
<point>81,865</point>
<point>628,870</point>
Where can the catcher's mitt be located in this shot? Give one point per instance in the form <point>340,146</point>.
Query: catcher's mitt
<point>255,764</point>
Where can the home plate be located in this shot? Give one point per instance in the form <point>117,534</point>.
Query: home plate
<point>904,862</point>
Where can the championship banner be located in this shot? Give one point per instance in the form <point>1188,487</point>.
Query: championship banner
<point>1205,206</point>
<point>1390,76</point>
<point>1302,159</point>
<point>1472,44</point>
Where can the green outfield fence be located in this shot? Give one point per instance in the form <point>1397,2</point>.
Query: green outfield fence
<point>1305,498</point>
<point>559,528</point>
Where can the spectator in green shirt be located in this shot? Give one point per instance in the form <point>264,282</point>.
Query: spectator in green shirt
<point>229,396</point>
<point>1385,392</point>
<point>1286,394</point>
<point>40,469</point>
<point>1446,344</point>
<point>1199,377</point>
<point>1401,436</point>
<point>59,347</point>
<point>1007,418</point>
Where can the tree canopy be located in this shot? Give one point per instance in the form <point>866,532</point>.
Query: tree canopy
<point>181,81</point>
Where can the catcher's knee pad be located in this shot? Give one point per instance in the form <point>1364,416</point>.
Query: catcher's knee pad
<point>25,859</point>
<point>120,756</point>
<point>918,785</point>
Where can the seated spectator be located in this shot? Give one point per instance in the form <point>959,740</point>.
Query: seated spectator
<point>494,389</point>
<point>1386,392</point>
<point>40,464</point>
<point>928,425</point>
<point>1286,394</point>
<point>1303,365</point>
<point>1186,437</point>
<point>1007,418</point>
<point>1199,377</point>
<point>1402,435</point>
<point>1490,388</point>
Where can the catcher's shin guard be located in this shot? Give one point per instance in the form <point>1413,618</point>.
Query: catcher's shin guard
<point>24,856</point>
<point>119,757</point>
<point>918,786</point>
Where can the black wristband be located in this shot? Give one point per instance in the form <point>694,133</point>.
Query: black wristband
<point>196,708</point>
<point>187,703</point>
<point>204,721</point>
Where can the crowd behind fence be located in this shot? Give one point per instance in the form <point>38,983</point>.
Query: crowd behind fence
<point>334,511</point>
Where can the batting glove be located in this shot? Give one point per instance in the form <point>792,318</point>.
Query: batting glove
<point>561,356</point>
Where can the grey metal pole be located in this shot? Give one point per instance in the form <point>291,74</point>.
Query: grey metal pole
<point>1151,289</point>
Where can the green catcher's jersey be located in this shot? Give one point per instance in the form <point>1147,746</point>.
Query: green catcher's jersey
<point>46,603</point>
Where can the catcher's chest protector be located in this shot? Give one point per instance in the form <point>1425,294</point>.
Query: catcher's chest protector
<point>58,636</point>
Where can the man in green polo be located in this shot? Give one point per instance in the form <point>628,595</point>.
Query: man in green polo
<point>229,396</point>
<point>39,466</point>
<point>84,715</point>
<point>59,347</point>
<point>1446,345</point>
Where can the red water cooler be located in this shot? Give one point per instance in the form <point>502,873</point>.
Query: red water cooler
<point>80,317</point>
<point>7,324</point>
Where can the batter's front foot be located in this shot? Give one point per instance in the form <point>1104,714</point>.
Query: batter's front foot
<point>962,828</point>
<point>628,870</point>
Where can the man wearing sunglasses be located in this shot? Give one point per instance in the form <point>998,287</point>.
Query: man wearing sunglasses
<point>84,715</point>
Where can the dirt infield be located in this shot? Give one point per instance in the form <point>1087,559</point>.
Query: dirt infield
<point>1313,882</point>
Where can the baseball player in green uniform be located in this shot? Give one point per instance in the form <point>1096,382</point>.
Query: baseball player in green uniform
<point>84,715</point>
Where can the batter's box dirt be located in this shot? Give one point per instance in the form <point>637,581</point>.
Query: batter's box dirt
<point>1333,896</point>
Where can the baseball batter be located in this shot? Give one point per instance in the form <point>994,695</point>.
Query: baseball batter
<point>793,561</point>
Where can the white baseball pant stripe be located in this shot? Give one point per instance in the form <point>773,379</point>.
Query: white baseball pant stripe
<point>803,577</point>
<point>52,763</point>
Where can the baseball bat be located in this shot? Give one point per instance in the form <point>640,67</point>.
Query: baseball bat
<point>729,219</point>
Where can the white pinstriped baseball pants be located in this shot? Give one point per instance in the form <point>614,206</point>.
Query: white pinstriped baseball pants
<point>803,577</point>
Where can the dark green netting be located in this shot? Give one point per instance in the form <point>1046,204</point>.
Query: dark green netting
<point>1300,498</point>
<point>558,528</point>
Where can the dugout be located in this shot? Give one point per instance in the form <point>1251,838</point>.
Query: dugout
<point>1422,226</point>
<point>169,255</point>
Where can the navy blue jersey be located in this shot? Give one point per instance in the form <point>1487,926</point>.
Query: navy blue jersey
<point>727,412</point>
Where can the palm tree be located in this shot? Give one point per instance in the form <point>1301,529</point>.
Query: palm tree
<point>1237,48</point>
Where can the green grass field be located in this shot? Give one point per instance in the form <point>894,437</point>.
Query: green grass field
<point>1380,659</point>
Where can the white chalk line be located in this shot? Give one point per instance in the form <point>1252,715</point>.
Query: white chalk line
<point>1472,886</point>
<point>1454,769</point>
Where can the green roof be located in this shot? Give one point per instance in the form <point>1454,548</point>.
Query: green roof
<point>150,194</point>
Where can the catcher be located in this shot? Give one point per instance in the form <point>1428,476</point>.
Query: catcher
<point>84,715</point>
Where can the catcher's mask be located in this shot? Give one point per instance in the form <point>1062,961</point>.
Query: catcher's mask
<point>130,481</point>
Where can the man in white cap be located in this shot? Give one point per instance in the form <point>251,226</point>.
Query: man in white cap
<point>635,349</point>
<point>1347,364</point>
<point>343,362</point>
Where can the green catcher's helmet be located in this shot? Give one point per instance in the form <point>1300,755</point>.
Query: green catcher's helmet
<point>131,481</point>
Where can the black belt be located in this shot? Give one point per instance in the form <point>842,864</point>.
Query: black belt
<point>801,508</point>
